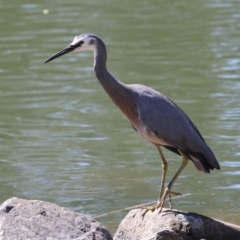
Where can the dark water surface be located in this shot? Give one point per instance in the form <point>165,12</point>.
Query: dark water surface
<point>63,140</point>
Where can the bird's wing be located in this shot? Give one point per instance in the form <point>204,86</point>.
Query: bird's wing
<point>162,117</point>
<point>163,122</point>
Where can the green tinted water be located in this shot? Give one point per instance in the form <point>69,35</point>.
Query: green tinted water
<point>63,140</point>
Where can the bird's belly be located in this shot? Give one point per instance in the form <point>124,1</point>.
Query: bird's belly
<point>151,136</point>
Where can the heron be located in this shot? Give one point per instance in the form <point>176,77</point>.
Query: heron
<point>153,115</point>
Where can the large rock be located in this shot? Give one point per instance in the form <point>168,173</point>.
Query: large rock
<point>172,225</point>
<point>37,220</point>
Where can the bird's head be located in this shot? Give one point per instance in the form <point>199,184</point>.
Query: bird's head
<point>80,43</point>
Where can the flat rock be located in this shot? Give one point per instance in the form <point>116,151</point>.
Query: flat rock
<point>172,225</point>
<point>37,220</point>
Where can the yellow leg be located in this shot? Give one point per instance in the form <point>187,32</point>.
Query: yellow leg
<point>164,174</point>
<point>167,191</point>
<point>164,171</point>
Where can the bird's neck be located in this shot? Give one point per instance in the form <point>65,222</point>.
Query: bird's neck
<point>119,92</point>
<point>108,82</point>
<point>111,85</point>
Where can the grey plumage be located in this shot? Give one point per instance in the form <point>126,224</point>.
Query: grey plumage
<point>157,118</point>
<point>169,123</point>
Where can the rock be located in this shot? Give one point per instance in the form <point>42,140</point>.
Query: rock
<point>172,225</point>
<point>37,220</point>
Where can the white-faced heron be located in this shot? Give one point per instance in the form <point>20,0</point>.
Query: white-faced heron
<point>154,116</point>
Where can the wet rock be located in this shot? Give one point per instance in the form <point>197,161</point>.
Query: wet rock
<point>38,220</point>
<point>172,225</point>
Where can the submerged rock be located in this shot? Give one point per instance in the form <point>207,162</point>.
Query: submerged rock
<point>37,220</point>
<point>172,225</point>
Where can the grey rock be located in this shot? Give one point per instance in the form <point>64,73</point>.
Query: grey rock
<point>37,220</point>
<point>172,225</point>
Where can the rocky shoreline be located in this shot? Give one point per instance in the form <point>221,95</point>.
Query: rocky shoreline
<point>22,219</point>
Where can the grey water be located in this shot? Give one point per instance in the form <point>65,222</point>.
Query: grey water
<point>62,139</point>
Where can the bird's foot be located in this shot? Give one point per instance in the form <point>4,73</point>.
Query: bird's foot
<point>150,208</point>
<point>159,205</point>
<point>175,193</point>
<point>170,199</point>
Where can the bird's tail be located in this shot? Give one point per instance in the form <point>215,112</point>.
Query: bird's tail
<point>204,162</point>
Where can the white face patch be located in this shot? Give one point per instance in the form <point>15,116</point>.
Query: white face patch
<point>88,43</point>
<point>75,40</point>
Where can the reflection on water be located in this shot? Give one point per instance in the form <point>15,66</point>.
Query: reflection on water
<point>63,140</point>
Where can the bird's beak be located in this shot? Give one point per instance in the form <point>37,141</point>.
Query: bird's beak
<point>66,50</point>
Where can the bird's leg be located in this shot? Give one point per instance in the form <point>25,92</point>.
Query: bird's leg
<point>162,185</point>
<point>164,174</point>
<point>170,201</point>
<point>167,191</point>
<point>169,187</point>
<point>164,171</point>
